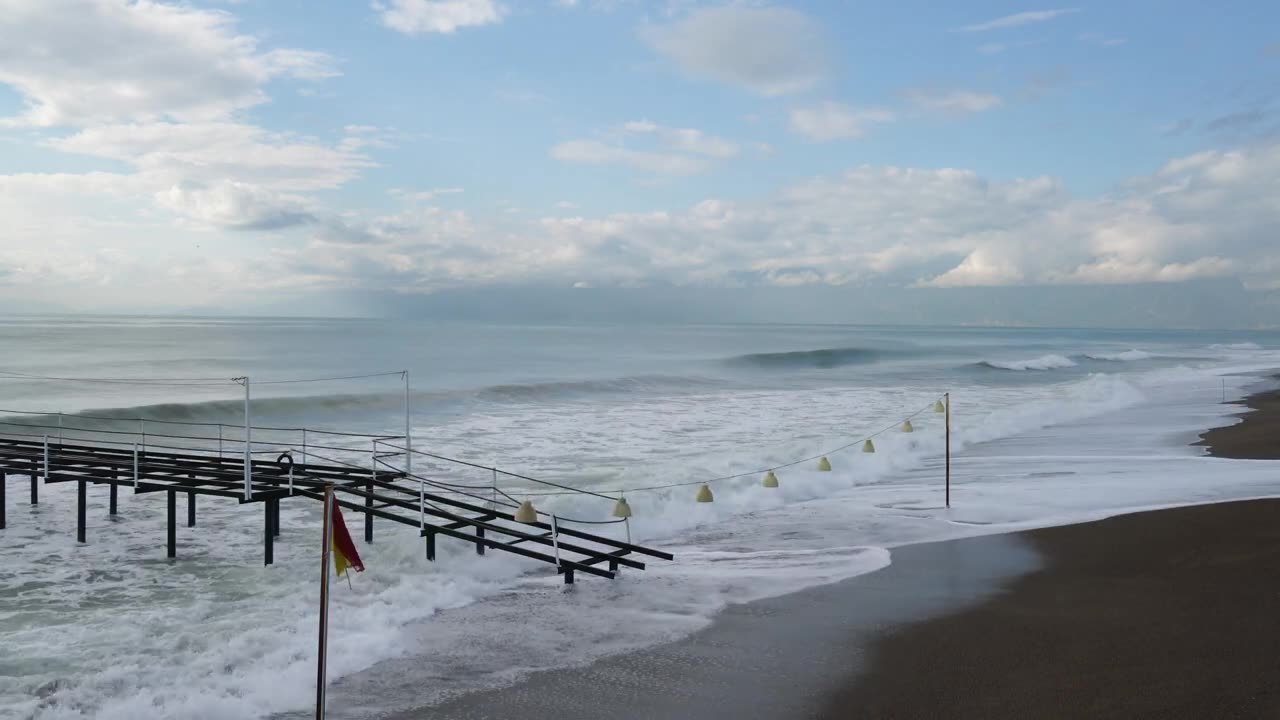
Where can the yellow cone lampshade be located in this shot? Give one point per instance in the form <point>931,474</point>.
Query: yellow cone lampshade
<point>526,514</point>
<point>621,509</point>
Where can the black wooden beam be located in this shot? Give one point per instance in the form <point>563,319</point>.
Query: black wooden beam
<point>81,500</point>
<point>173,524</point>
<point>442,500</point>
<point>523,537</point>
<point>268,535</point>
<point>368,517</point>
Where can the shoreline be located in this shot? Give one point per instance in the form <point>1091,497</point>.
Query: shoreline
<point>1255,437</point>
<point>1094,618</point>
<point>1165,613</point>
<point>1168,613</point>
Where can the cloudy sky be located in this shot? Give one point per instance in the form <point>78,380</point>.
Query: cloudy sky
<point>239,154</point>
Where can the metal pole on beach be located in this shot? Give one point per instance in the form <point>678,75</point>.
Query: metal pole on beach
<point>947,396</point>
<point>324,602</point>
<point>248,443</point>
<point>408,442</point>
<point>408,463</point>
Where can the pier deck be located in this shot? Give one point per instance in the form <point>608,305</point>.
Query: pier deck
<point>376,491</point>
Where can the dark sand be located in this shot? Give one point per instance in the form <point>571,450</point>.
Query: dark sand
<point>1167,614</point>
<point>1257,437</point>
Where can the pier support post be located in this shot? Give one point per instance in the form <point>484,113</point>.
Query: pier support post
<point>111,505</point>
<point>568,576</point>
<point>82,492</point>
<point>268,535</point>
<point>191,509</point>
<point>368,517</point>
<point>35,489</point>
<point>480,546</point>
<point>3,502</point>
<point>173,524</point>
<point>431,546</point>
<point>948,432</point>
<point>275,517</point>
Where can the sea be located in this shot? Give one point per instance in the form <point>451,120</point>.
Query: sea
<point>1048,426</point>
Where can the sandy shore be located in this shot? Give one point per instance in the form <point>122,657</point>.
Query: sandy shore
<point>1167,614</point>
<point>1256,437</point>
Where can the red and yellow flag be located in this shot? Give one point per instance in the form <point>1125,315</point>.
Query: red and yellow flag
<point>344,551</point>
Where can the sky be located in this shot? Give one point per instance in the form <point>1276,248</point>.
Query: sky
<point>343,157</point>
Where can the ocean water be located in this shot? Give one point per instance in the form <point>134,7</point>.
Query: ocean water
<point>1049,426</point>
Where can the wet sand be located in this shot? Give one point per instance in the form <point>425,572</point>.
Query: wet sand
<point>1166,614</point>
<point>1256,437</point>
<point>776,658</point>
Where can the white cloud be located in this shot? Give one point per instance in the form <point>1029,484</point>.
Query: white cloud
<point>769,50</point>
<point>1206,215</point>
<point>214,152</point>
<point>685,139</point>
<point>835,121</point>
<point>681,151</point>
<point>1017,20</point>
<point>595,152</point>
<point>237,206</point>
<point>421,196</point>
<point>1101,39</point>
<point>226,175</point>
<point>953,102</point>
<point>437,16</point>
<point>76,63</point>
<point>1202,216</point>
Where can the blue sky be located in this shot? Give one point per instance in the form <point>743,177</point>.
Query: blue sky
<point>163,154</point>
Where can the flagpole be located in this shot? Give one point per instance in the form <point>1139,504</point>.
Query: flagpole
<point>324,601</point>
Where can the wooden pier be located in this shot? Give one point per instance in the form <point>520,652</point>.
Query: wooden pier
<point>377,490</point>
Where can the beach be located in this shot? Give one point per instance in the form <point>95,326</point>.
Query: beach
<point>1255,438</point>
<point>1169,613</point>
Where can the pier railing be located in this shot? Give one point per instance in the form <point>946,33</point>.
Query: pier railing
<point>370,472</point>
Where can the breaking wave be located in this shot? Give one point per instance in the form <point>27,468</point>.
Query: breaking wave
<point>823,359</point>
<point>1126,356</point>
<point>316,408</point>
<point>1044,362</point>
<point>577,388</point>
